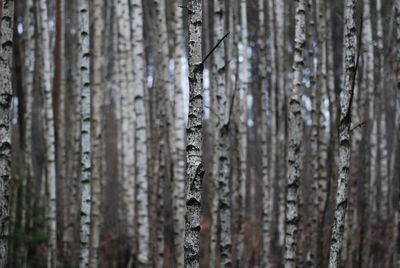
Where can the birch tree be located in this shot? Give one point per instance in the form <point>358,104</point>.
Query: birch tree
<point>86,167</point>
<point>179,124</point>
<point>125,81</point>
<point>295,136</point>
<point>350,41</point>
<point>97,138</point>
<point>49,133</point>
<point>242,117</point>
<point>194,168</point>
<point>222,137</point>
<point>6,64</point>
<point>139,67</point>
<point>264,121</point>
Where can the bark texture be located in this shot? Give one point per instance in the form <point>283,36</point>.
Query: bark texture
<point>141,127</point>
<point>86,165</point>
<point>194,168</point>
<point>49,133</point>
<point>97,148</point>
<point>350,41</point>
<point>179,124</point>
<point>295,136</point>
<point>6,64</point>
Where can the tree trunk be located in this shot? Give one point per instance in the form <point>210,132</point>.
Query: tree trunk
<point>295,136</point>
<point>179,125</point>
<point>344,135</point>
<point>6,64</point>
<point>86,165</point>
<point>194,169</point>
<point>97,123</point>
<point>265,115</point>
<point>49,134</point>
<point>218,84</point>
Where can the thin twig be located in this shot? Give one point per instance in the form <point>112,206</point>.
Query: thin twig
<point>211,51</point>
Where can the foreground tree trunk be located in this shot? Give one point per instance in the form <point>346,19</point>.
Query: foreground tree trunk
<point>6,63</point>
<point>344,135</point>
<point>86,166</point>
<point>194,169</point>
<point>295,135</point>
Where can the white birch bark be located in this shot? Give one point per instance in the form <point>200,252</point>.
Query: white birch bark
<point>139,71</point>
<point>242,117</point>
<point>194,168</point>
<point>179,126</point>
<point>97,98</point>
<point>281,170</point>
<point>368,85</point>
<point>384,160</point>
<point>266,216</point>
<point>6,63</point>
<point>49,133</point>
<point>295,136</point>
<point>350,40</point>
<point>221,138</point>
<point>127,121</point>
<point>86,165</point>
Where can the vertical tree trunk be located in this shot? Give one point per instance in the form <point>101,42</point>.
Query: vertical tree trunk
<point>218,85</point>
<point>141,131</point>
<point>344,135</point>
<point>265,115</point>
<point>49,134</point>
<point>6,63</point>
<point>273,111</point>
<point>194,169</point>
<point>166,152</point>
<point>127,122</point>
<point>396,225</point>
<point>242,117</point>
<point>97,138</point>
<point>368,85</point>
<point>86,165</point>
<point>179,125</point>
<point>384,161</point>
<point>29,80</point>
<point>295,136</point>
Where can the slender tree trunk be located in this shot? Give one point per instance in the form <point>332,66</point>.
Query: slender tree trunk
<point>265,115</point>
<point>127,122</point>
<point>396,225</point>
<point>29,85</point>
<point>218,84</point>
<point>49,134</point>
<point>273,111</point>
<point>194,169</point>
<point>295,136</point>
<point>141,131</point>
<point>165,129</point>
<point>242,117</point>
<point>86,165</point>
<point>6,63</point>
<point>368,85</point>
<point>97,139</point>
<point>179,125</point>
<point>344,135</point>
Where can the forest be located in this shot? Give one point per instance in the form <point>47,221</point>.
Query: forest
<point>199,133</point>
